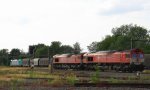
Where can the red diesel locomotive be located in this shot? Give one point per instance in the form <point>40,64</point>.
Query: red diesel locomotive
<point>129,60</point>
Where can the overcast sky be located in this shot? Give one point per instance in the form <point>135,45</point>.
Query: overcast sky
<point>28,22</point>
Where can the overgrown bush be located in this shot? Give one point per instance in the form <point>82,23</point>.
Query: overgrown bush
<point>71,79</point>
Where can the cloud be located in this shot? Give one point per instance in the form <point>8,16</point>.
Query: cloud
<point>122,10</point>
<point>27,22</point>
<point>123,7</point>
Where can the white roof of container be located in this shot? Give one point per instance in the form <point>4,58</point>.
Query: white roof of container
<point>14,60</point>
<point>35,59</point>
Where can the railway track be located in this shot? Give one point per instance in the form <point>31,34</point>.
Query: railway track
<point>132,85</point>
<point>80,73</point>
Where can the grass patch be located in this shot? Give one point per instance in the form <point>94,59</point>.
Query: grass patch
<point>18,76</point>
<point>13,77</point>
<point>32,74</point>
<point>72,79</point>
<point>57,82</point>
<point>95,78</point>
<point>15,83</point>
<point>146,72</point>
<point>113,80</point>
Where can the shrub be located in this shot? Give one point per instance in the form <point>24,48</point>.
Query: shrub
<point>71,79</point>
<point>31,74</point>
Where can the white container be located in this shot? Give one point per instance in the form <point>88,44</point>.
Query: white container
<point>14,63</point>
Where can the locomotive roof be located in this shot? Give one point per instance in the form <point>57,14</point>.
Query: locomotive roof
<point>14,60</point>
<point>112,51</point>
<point>109,51</point>
<point>44,58</point>
<point>62,55</point>
<point>25,59</point>
<point>35,59</point>
<point>101,53</point>
<point>66,55</point>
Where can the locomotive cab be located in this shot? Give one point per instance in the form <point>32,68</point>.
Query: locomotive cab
<point>137,60</point>
<point>137,57</point>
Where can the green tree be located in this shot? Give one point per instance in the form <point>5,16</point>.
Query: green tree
<point>105,44</point>
<point>131,31</point>
<point>34,48</point>
<point>66,49</point>
<point>92,47</point>
<point>121,38</point>
<point>4,57</point>
<point>15,53</point>
<point>41,52</point>
<point>55,48</point>
<point>77,48</point>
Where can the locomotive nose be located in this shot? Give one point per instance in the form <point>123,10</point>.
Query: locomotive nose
<point>137,62</point>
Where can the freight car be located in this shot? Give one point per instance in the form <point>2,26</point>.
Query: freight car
<point>40,62</point>
<point>43,62</point>
<point>16,62</point>
<point>34,61</point>
<point>26,62</point>
<point>128,60</point>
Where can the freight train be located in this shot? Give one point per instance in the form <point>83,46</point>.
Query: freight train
<point>126,61</point>
<point>42,62</point>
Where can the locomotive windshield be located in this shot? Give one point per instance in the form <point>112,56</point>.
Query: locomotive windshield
<point>137,55</point>
<point>56,60</point>
<point>90,58</point>
<point>141,56</point>
<point>134,55</point>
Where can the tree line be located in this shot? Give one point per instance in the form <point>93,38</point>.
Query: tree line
<point>121,39</point>
<point>124,37</point>
<point>56,47</point>
<point>38,51</point>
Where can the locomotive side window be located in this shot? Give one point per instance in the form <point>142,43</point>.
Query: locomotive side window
<point>56,60</point>
<point>90,58</point>
<point>133,55</point>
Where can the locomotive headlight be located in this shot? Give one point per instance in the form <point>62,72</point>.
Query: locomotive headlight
<point>142,60</point>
